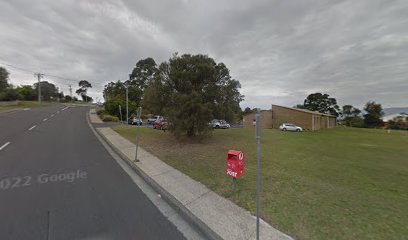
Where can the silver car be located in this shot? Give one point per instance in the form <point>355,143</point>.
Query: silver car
<point>219,124</point>
<point>290,127</point>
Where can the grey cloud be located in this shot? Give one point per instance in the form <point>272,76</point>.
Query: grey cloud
<point>279,50</point>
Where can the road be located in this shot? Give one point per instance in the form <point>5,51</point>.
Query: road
<point>57,181</point>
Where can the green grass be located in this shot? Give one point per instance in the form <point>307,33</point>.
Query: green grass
<point>23,104</point>
<point>342,183</point>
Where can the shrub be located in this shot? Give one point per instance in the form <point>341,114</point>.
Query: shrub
<point>112,107</point>
<point>100,112</point>
<point>10,95</point>
<point>397,125</point>
<point>110,118</point>
<point>354,121</point>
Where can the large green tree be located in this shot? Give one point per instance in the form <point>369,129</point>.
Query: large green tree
<point>48,90</point>
<point>27,92</point>
<point>351,116</point>
<point>114,90</point>
<point>154,100</point>
<point>4,76</point>
<point>10,94</point>
<point>143,73</point>
<point>373,115</point>
<point>84,85</point>
<point>114,94</point>
<point>346,110</point>
<point>247,110</point>
<point>322,103</point>
<point>192,90</point>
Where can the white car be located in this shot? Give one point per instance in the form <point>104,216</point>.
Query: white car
<point>290,127</point>
<point>153,119</point>
<point>219,124</point>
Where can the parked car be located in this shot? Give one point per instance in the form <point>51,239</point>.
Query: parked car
<point>290,127</point>
<point>153,119</point>
<point>160,124</point>
<point>135,121</point>
<point>219,124</point>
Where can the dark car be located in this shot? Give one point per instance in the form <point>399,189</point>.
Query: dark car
<point>135,121</point>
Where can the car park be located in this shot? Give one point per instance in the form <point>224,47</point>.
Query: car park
<point>153,119</point>
<point>160,124</point>
<point>290,127</point>
<point>215,123</point>
<point>135,121</point>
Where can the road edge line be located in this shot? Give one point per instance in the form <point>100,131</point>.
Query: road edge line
<point>190,218</point>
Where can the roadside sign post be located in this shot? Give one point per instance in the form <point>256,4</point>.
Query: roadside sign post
<point>258,177</point>
<point>139,114</point>
<point>234,184</point>
<point>127,107</point>
<point>120,113</point>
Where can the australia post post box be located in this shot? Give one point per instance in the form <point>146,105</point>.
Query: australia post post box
<point>235,164</point>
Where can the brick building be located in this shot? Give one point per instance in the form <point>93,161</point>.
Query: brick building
<point>266,119</point>
<point>308,120</point>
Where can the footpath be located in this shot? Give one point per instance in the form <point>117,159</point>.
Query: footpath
<point>215,216</point>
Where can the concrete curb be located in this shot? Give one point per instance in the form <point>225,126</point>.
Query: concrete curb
<point>166,196</point>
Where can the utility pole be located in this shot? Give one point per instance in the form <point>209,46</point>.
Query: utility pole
<point>39,76</point>
<point>70,92</point>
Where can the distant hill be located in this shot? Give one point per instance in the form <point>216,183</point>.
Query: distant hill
<point>390,111</point>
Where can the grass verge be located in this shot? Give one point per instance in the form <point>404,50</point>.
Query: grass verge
<point>342,183</point>
<point>23,104</point>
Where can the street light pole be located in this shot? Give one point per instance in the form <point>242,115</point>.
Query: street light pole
<point>258,177</point>
<point>120,113</point>
<point>127,105</point>
<point>138,115</point>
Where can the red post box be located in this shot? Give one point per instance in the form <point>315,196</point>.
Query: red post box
<point>235,164</point>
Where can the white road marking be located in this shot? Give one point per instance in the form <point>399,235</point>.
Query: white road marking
<point>57,112</point>
<point>64,108</point>
<point>31,128</point>
<point>4,145</point>
<point>26,109</point>
<point>45,119</point>
<point>52,115</point>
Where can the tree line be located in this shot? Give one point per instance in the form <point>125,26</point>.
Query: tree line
<point>49,92</point>
<point>349,115</point>
<point>189,90</point>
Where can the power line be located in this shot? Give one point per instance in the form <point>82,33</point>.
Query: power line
<point>34,72</point>
<point>2,62</point>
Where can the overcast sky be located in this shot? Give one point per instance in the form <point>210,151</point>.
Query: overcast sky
<point>280,51</point>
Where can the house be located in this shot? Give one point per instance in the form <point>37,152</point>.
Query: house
<point>308,120</point>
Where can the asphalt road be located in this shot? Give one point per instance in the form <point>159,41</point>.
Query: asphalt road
<point>57,181</point>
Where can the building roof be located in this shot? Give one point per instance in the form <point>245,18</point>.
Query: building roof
<point>306,111</point>
<point>255,112</point>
